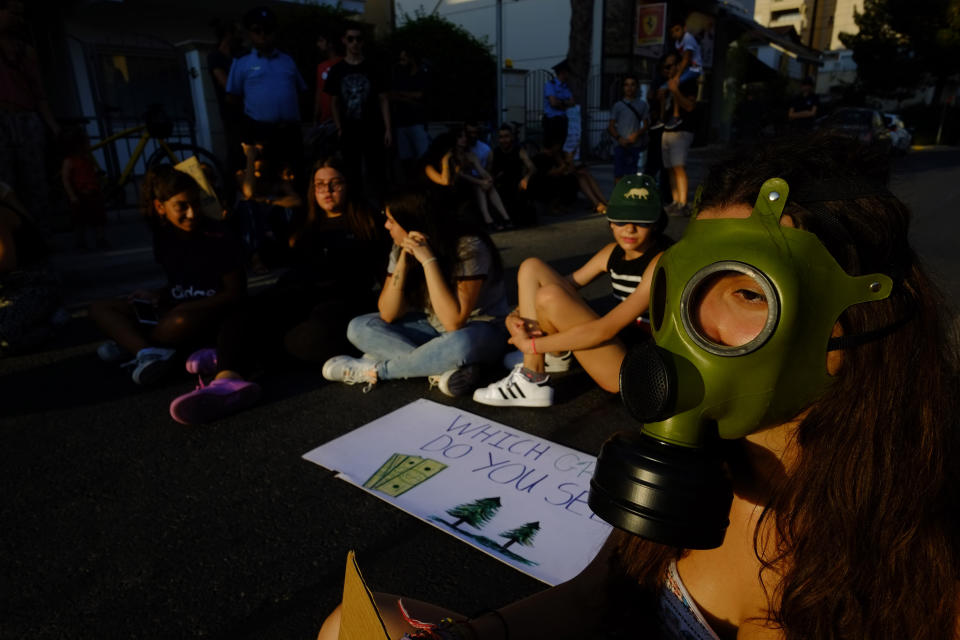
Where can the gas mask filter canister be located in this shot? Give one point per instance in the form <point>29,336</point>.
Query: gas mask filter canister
<point>742,310</point>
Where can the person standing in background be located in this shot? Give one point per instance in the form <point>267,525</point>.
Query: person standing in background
<point>219,61</point>
<point>629,121</point>
<point>23,112</point>
<point>408,97</point>
<point>267,81</point>
<point>327,53</point>
<point>360,110</point>
<point>803,108</point>
<point>557,98</point>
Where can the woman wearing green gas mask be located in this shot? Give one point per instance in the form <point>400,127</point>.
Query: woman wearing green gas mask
<point>841,522</point>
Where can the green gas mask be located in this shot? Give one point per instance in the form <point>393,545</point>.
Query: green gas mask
<point>742,311</point>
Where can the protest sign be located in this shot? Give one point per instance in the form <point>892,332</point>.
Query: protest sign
<point>520,498</point>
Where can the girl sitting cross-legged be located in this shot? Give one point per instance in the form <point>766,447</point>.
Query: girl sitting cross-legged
<point>441,308</point>
<point>553,318</point>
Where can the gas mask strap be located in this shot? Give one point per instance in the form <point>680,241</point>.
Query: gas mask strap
<point>855,340</point>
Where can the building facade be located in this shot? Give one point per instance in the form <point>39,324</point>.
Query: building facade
<point>819,22</point>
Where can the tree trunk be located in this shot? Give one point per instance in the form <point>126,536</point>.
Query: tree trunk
<point>578,55</point>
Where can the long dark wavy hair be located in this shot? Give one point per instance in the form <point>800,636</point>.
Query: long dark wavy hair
<point>418,210</point>
<point>357,217</point>
<point>864,539</point>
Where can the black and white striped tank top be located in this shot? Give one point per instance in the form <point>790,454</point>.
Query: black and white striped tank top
<point>625,274</point>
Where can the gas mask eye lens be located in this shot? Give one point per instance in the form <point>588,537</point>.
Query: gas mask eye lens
<point>729,308</point>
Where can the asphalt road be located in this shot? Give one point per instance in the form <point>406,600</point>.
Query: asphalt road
<point>119,523</point>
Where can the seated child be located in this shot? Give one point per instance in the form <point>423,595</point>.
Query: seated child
<point>552,317</point>
<point>203,264</point>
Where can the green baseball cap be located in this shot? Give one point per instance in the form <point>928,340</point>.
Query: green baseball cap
<point>635,199</point>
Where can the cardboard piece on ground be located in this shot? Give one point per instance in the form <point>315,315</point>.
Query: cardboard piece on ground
<point>209,206</point>
<point>516,497</point>
<point>359,617</point>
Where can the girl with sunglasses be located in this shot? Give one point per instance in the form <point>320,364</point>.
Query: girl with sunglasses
<point>552,317</point>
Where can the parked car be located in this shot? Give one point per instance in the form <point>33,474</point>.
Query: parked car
<point>864,124</point>
<point>900,136</point>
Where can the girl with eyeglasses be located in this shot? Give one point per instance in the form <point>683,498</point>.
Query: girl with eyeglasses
<point>304,314</point>
<point>553,323</point>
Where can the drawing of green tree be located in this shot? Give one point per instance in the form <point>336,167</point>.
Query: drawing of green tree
<point>524,535</point>
<point>476,513</point>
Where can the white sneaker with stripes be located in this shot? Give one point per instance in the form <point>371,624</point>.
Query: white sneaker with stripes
<point>516,390</point>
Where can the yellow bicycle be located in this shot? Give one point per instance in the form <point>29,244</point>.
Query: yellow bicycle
<point>157,127</point>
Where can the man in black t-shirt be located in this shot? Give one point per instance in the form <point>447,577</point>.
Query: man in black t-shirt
<point>360,111</point>
<point>803,109</point>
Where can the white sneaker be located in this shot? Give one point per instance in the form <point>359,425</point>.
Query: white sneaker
<point>112,353</point>
<point>350,370</point>
<point>552,363</point>
<point>516,390</point>
<point>456,382</point>
<point>151,364</point>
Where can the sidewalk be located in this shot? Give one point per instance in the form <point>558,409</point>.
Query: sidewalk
<point>92,275</point>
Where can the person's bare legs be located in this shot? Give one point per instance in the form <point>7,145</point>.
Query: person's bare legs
<point>681,184</point>
<point>672,175</point>
<point>117,321</point>
<point>533,274</point>
<point>558,311</point>
<point>180,326</point>
<point>591,189</point>
<point>497,203</point>
<point>390,613</point>
<point>482,203</point>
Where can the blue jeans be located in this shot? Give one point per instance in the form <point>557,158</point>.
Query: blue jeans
<point>412,348</point>
<point>625,160</point>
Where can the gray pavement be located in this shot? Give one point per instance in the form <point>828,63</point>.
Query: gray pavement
<point>119,523</point>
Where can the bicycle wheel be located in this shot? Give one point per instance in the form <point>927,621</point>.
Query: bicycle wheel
<point>183,151</point>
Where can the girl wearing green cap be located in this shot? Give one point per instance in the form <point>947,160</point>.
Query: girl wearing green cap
<point>552,317</point>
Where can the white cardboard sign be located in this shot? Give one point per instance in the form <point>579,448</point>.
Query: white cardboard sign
<point>517,497</point>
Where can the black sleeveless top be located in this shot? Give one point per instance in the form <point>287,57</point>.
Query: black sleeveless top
<point>625,275</point>
<point>507,165</point>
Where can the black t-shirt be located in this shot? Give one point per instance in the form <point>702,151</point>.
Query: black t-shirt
<point>804,103</point>
<point>507,166</point>
<point>358,86</point>
<point>407,113</point>
<point>195,262</point>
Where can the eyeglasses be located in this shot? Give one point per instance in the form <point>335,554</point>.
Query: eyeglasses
<point>354,38</point>
<point>334,185</point>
